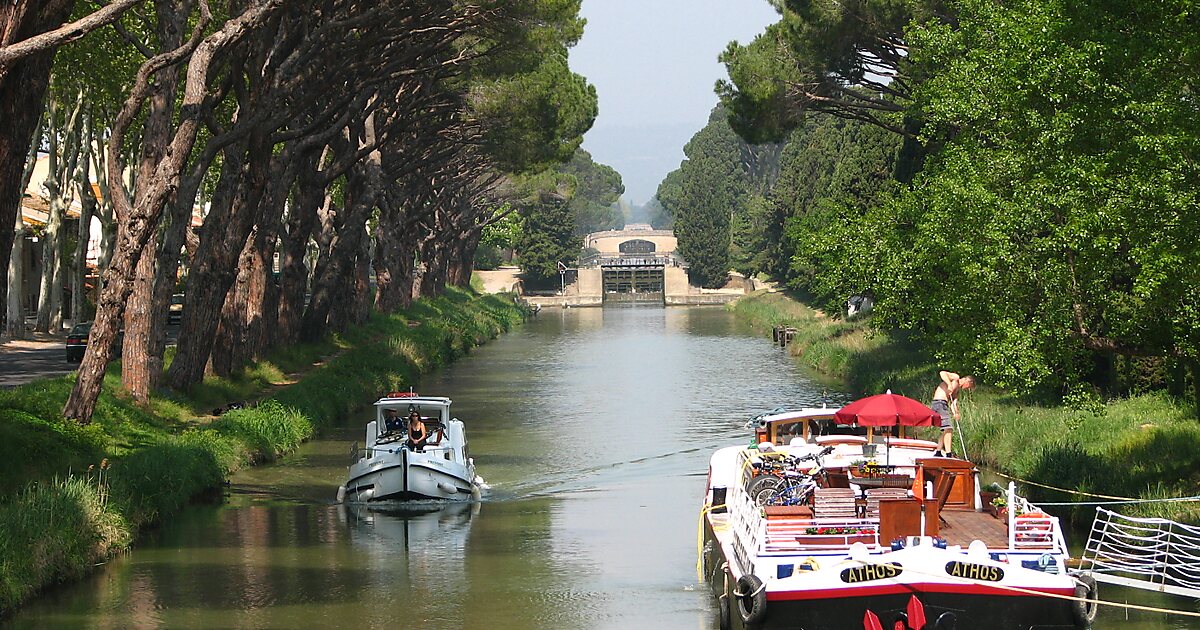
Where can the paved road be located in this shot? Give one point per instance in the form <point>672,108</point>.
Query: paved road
<point>26,360</point>
<point>42,357</point>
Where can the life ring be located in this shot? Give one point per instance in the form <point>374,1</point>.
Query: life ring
<point>1085,607</point>
<point>751,596</point>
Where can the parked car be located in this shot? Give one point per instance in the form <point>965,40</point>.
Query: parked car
<point>77,340</point>
<point>175,311</point>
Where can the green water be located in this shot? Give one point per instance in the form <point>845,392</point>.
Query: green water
<point>593,428</point>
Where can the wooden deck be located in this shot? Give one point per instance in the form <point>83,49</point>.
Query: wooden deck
<point>960,527</point>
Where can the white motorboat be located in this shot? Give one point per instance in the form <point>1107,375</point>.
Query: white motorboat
<point>390,467</point>
<point>882,534</point>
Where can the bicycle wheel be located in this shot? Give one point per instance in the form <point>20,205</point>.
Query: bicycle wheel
<point>795,494</point>
<point>762,482</point>
<point>767,496</point>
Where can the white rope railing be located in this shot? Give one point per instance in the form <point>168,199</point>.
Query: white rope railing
<point>1162,554</point>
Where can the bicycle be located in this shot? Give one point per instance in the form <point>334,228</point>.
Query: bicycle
<point>769,472</point>
<point>796,487</point>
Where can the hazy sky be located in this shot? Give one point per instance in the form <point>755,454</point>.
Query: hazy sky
<point>654,63</point>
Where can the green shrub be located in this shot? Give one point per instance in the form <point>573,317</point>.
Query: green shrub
<point>268,430</point>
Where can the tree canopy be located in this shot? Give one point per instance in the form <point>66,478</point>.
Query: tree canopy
<point>1016,187</point>
<point>301,138</point>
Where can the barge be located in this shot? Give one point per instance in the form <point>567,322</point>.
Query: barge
<point>884,535</point>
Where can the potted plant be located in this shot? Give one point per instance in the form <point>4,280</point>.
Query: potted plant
<point>988,494</point>
<point>1000,507</point>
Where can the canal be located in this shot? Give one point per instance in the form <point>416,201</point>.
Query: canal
<point>593,428</point>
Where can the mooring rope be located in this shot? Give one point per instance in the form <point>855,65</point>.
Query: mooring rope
<point>1124,502</point>
<point>1113,499</point>
<point>700,539</point>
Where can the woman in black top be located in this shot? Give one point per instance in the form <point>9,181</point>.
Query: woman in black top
<point>417,435</point>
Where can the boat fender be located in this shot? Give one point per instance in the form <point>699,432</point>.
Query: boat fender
<point>946,621</point>
<point>341,494</point>
<point>1085,606</point>
<point>751,596</point>
<point>447,487</point>
<point>724,617</point>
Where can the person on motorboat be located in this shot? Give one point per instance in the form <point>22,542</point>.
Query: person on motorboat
<point>417,434</point>
<point>391,422</point>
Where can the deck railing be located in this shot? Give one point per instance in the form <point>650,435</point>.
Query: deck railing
<point>1148,553</point>
<point>1029,527</point>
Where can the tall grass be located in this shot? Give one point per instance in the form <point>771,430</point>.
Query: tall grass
<point>57,521</point>
<point>55,531</point>
<point>1146,446</point>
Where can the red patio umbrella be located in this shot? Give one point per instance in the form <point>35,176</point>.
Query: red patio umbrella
<point>886,410</point>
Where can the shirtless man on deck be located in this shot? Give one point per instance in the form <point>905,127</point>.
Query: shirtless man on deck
<point>945,403</point>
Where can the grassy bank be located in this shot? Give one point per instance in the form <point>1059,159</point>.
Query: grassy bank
<point>76,495</point>
<point>1146,446</point>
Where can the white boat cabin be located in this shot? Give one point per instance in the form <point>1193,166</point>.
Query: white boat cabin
<point>445,432</point>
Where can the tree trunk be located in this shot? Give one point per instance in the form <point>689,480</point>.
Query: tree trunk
<point>262,298</point>
<point>293,275</point>
<point>16,282</point>
<point>332,283</point>
<point>231,329</point>
<point>355,305</point>
<point>396,239</point>
<point>363,185</point>
<point>462,258</point>
<point>139,221</point>
<point>49,316</point>
<point>361,310</point>
<point>141,365</point>
<point>213,270</point>
<point>240,333</point>
<point>87,208</point>
<point>139,329</point>
<point>433,281</point>
<point>22,88</point>
<point>61,165</point>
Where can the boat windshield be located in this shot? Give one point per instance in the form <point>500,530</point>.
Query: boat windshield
<point>429,413</point>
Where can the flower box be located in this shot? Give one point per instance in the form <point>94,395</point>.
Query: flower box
<point>834,540</point>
